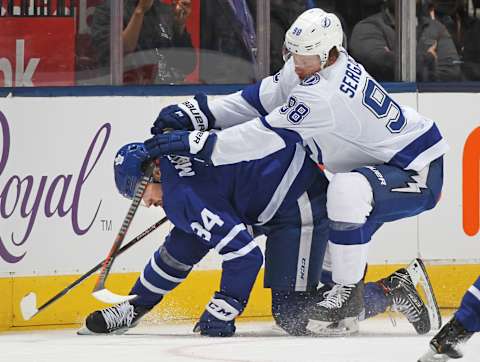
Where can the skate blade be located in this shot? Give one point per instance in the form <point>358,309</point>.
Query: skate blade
<point>418,273</point>
<point>344,328</point>
<point>84,331</point>
<point>432,356</point>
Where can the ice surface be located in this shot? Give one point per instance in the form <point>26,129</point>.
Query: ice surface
<point>378,341</point>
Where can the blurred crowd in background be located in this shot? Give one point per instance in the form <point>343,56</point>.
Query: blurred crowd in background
<point>216,42</point>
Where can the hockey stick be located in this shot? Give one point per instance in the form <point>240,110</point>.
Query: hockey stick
<point>99,291</point>
<point>28,304</point>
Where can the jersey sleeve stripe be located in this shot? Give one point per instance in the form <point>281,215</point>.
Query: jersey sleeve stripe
<point>151,287</point>
<point>202,101</point>
<point>288,136</point>
<point>428,156</point>
<point>475,292</point>
<point>408,154</point>
<point>164,275</point>
<point>241,252</point>
<point>229,237</point>
<point>251,94</point>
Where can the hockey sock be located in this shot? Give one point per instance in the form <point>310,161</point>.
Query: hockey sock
<point>375,300</point>
<point>469,312</point>
<point>161,274</point>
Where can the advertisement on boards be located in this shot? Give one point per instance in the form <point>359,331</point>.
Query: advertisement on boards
<point>471,183</point>
<point>37,51</point>
<point>60,211</point>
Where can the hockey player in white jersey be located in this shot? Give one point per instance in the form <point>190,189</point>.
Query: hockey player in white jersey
<point>385,158</point>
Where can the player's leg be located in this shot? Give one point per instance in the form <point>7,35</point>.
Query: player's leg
<point>296,239</point>
<point>377,195</point>
<point>465,322</point>
<point>398,194</point>
<point>349,203</point>
<point>167,268</point>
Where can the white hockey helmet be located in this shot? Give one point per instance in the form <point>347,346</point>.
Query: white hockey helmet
<point>315,32</point>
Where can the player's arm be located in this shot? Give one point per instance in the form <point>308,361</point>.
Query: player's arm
<point>256,100</point>
<point>242,259</point>
<point>203,113</point>
<point>298,120</point>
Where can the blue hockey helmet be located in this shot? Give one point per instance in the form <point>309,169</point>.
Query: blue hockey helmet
<point>128,167</point>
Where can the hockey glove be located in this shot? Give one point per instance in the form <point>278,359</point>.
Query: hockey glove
<point>190,115</point>
<point>218,320</point>
<point>196,144</point>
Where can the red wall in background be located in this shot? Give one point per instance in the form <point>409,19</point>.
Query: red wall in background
<point>37,51</point>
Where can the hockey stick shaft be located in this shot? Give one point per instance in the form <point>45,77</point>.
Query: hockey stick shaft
<point>107,265</point>
<point>99,265</point>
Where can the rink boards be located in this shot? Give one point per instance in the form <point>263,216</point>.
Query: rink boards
<point>59,211</point>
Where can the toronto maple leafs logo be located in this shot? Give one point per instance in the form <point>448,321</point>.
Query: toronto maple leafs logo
<point>119,160</point>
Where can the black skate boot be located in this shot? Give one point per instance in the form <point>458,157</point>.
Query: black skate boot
<point>339,303</point>
<point>404,298</point>
<point>446,343</point>
<point>113,320</point>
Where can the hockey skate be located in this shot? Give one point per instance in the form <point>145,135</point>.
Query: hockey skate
<point>401,289</point>
<point>113,320</point>
<point>404,298</point>
<point>446,343</point>
<point>338,313</point>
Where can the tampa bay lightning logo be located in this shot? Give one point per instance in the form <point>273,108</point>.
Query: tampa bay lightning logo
<point>326,22</point>
<point>276,77</point>
<point>314,79</point>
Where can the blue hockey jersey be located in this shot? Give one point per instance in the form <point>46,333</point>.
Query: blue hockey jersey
<point>215,205</point>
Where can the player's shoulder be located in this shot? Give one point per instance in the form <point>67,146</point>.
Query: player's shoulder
<point>330,81</point>
<point>311,89</point>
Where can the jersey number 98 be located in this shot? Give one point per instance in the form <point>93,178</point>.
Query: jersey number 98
<point>297,111</point>
<point>383,107</point>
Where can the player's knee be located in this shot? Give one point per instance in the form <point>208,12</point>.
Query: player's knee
<point>289,310</point>
<point>349,198</point>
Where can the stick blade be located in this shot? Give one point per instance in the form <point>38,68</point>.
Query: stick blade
<point>28,306</point>
<point>106,296</point>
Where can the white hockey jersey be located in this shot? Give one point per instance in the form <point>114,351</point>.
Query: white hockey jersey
<point>341,114</point>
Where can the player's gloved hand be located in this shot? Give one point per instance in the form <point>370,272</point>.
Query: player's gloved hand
<point>198,144</point>
<point>190,115</point>
<point>218,320</point>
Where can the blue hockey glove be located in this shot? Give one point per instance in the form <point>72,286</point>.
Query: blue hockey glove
<point>190,115</point>
<point>197,144</point>
<point>218,320</point>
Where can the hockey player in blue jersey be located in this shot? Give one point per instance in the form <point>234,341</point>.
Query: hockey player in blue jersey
<point>211,207</point>
<point>464,323</point>
<point>386,158</point>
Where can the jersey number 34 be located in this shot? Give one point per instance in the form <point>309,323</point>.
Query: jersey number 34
<point>383,107</point>
<point>209,220</point>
